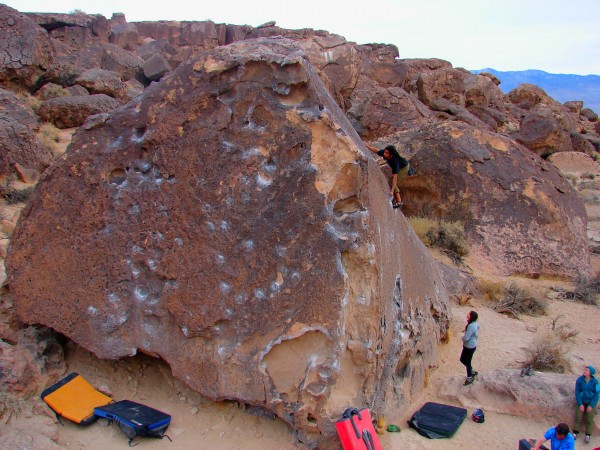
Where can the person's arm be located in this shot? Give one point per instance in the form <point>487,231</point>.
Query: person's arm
<point>578,393</point>
<point>594,400</point>
<point>538,443</point>
<point>394,181</point>
<point>373,149</point>
<point>468,332</point>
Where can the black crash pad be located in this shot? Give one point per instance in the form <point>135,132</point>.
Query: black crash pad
<point>437,421</point>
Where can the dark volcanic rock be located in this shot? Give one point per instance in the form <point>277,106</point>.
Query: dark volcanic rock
<point>448,84</point>
<point>542,133</point>
<point>26,51</point>
<point>518,211</point>
<point>231,222</point>
<point>376,111</point>
<point>125,36</point>
<point>156,67</point>
<point>18,143</point>
<point>69,112</point>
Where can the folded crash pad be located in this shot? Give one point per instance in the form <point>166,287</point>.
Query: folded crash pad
<point>437,421</point>
<point>75,399</point>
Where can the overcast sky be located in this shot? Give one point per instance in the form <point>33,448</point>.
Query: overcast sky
<point>557,36</point>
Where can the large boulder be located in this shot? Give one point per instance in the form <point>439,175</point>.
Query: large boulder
<point>526,96</point>
<point>518,211</point>
<point>230,221</point>
<point>100,81</point>
<point>125,36</point>
<point>541,132</point>
<point>446,83</point>
<point>414,67</point>
<point>26,50</point>
<point>482,91</point>
<point>156,67</point>
<point>18,142</point>
<point>339,60</point>
<point>377,111</point>
<point>69,112</point>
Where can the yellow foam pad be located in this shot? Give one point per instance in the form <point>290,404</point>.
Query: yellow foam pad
<point>76,400</point>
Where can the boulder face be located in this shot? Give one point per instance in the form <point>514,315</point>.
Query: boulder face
<point>518,211</point>
<point>26,48</point>
<point>68,112</point>
<point>18,143</point>
<point>230,221</point>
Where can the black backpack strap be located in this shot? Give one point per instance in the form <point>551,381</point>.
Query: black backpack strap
<point>349,413</point>
<point>368,439</point>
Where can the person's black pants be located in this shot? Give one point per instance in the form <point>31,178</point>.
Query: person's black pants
<point>465,357</point>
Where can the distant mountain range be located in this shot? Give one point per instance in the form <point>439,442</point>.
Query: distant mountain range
<point>560,87</point>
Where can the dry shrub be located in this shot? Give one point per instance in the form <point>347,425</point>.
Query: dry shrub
<point>547,353</point>
<point>563,331</point>
<point>54,91</point>
<point>586,290</point>
<point>421,226</point>
<point>491,290</point>
<point>49,137</point>
<point>516,301</point>
<point>449,237</point>
<point>13,195</point>
<point>33,102</point>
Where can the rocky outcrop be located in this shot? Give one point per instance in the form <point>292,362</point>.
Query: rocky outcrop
<point>516,208</point>
<point>26,48</point>
<point>32,431</point>
<point>74,30</point>
<point>18,143</point>
<point>33,362</point>
<point>230,221</point>
<point>543,396</point>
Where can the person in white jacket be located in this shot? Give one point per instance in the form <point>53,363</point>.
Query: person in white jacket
<point>470,345</point>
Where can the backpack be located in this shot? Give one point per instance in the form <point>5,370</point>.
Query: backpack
<point>135,419</point>
<point>478,416</point>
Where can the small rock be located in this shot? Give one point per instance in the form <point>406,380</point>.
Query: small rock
<point>531,328</point>
<point>194,411</point>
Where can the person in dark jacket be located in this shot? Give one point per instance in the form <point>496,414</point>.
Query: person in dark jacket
<point>587,392</point>
<point>400,168</point>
